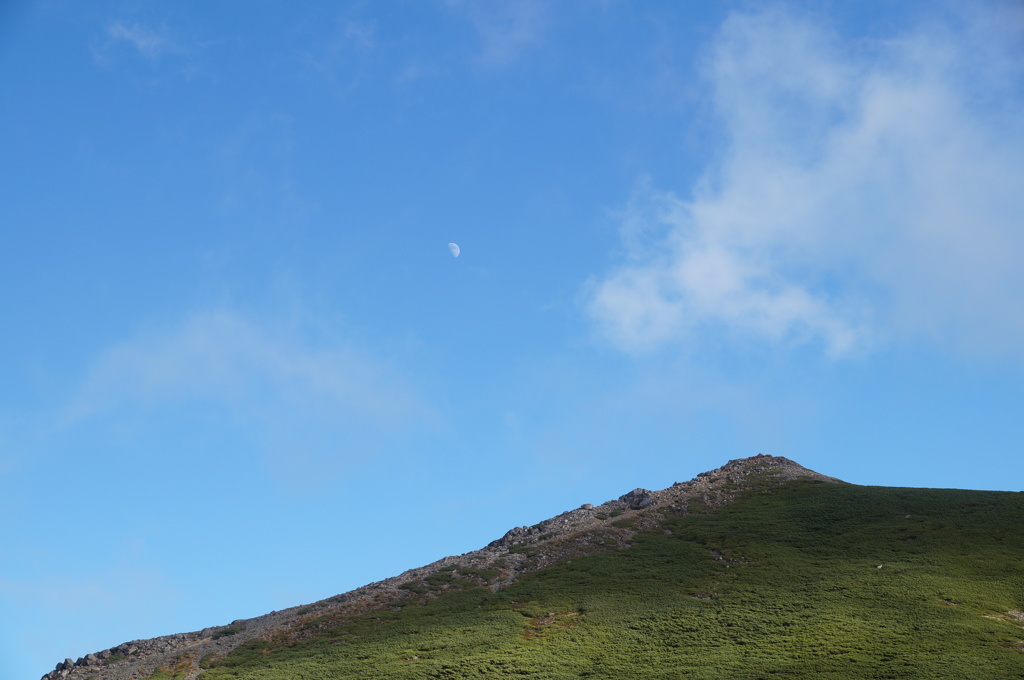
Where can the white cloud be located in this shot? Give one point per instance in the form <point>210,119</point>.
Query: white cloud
<point>223,355</point>
<point>360,34</point>
<point>148,42</point>
<point>506,28</point>
<point>313,408</point>
<point>865,192</point>
<point>345,56</point>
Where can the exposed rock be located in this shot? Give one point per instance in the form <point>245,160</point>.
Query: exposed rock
<point>582,531</point>
<point>512,535</point>
<point>637,499</point>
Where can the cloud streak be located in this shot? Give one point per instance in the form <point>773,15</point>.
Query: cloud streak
<point>314,409</point>
<point>226,356</point>
<point>863,194</point>
<point>147,42</point>
<point>506,28</point>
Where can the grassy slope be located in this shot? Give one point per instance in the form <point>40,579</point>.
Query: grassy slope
<point>780,584</point>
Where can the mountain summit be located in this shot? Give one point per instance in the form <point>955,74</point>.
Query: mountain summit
<point>758,566</point>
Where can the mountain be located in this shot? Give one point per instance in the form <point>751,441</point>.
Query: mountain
<point>761,568</point>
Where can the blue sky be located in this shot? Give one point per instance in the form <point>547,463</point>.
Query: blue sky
<point>240,369</point>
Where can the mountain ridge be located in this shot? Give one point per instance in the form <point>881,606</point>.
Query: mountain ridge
<point>585,530</point>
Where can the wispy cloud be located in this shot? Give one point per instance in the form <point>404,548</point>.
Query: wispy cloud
<point>149,43</point>
<point>506,28</point>
<point>311,408</point>
<point>863,193</point>
<point>360,34</point>
<point>346,57</point>
<point>225,355</point>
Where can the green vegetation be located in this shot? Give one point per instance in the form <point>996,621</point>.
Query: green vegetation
<point>438,579</point>
<point>484,574</point>
<point>524,548</point>
<point>417,587</point>
<point>805,580</point>
<point>230,630</point>
<point>446,580</point>
<point>624,523</point>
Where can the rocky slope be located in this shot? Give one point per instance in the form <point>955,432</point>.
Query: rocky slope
<point>586,530</point>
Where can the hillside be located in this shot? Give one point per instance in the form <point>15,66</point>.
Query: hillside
<point>760,568</point>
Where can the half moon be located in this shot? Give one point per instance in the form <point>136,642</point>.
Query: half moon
<point>454,247</point>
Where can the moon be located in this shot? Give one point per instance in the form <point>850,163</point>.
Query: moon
<point>454,247</point>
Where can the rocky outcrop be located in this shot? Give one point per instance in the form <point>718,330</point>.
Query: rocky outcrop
<point>637,499</point>
<point>516,535</point>
<point>586,530</point>
<point>125,660</point>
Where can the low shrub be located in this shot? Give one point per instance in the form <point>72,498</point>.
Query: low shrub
<point>230,630</point>
<point>417,587</point>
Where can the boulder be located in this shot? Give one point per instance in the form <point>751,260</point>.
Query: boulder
<point>637,499</point>
<point>516,535</point>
